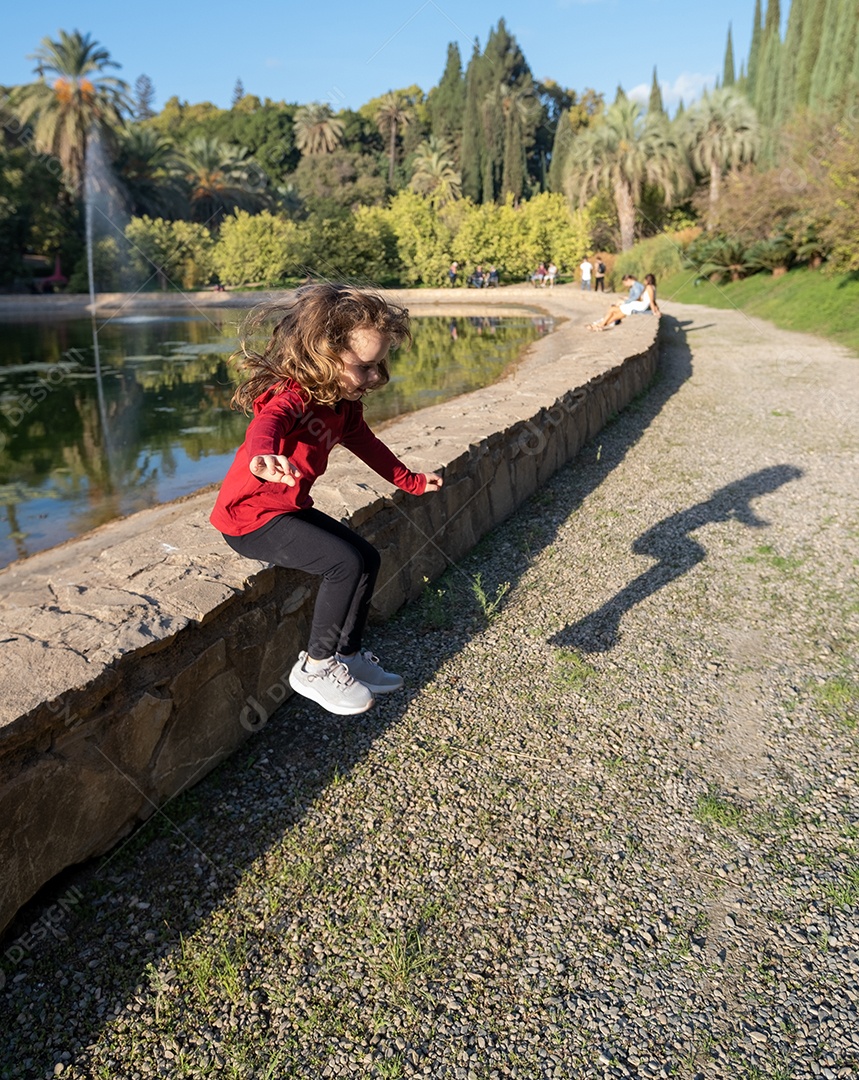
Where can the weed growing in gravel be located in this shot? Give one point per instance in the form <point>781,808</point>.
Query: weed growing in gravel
<point>391,1068</point>
<point>765,553</point>
<point>489,608</point>
<point>435,607</point>
<point>574,671</point>
<point>845,893</point>
<point>838,697</point>
<point>716,808</point>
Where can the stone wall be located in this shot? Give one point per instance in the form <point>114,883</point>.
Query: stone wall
<point>141,655</point>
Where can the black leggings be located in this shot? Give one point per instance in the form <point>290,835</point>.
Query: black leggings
<point>311,541</point>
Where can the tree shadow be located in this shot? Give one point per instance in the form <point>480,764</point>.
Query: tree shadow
<point>671,543</point>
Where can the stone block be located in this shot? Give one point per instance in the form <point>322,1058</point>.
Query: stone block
<point>130,740</point>
<point>57,812</point>
<point>205,728</point>
<point>186,684</point>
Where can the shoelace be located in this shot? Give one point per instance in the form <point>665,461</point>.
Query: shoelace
<point>333,670</point>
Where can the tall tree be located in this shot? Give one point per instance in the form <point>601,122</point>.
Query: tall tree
<point>824,65</point>
<point>728,77</point>
<point>446,102</point>
<point>846,41</point>
<point>395,112</point>
<point>720,131</point>
<point>786,94</point>
<point>655,104</point>
<point>238,92</point>
<point>506,78</point>
<point>78,100</point>
<point>317,129</point>
<point>470,154</point>
<point>772,25</point>
<point>623,153</point>
<point>144,98</point>
<point>809,49</point>
<point>754,51</point>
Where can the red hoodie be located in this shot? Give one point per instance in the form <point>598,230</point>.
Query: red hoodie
<point>285,424</point>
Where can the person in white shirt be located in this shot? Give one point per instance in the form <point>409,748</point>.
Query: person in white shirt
<point>587,269</point>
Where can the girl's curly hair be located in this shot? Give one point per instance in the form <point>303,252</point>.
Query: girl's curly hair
<point>312,330</point>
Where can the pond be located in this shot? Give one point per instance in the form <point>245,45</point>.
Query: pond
<point>91,434</point>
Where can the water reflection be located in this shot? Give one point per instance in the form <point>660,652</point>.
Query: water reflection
<point>97,426</point>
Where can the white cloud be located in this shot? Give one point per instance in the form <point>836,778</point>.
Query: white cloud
<point>689,86</point>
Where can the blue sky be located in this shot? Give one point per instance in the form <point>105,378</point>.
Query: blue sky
<point>346,53</point>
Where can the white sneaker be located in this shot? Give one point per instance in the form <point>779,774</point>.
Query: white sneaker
<point>331,686</point>
<point>366,668</point>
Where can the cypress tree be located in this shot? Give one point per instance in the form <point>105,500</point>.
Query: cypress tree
<point>681,108</point>
<point>773,19</point>
<point>809,47</point>
<point>655,104</point>
<point>846,30</point>
<point>446,102</point>
<point>786,94</point>
<point>560,149</point>
<point>766,92</point>
<point>508,83</point>
<point>472,181</point>
<point>513,176</point>
<point>754,52</point>
<point>620,95</point>
<point>728,68</point>
<point>825,62</point>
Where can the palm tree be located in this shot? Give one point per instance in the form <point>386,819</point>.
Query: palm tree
<point>721,131</point>
<point>623,152</point>
<point>151,171</point>
<point>394,112</point>
<point>221,178</point>
<point>317,130</point>
<point>434,173</point>
<point>75,102</point>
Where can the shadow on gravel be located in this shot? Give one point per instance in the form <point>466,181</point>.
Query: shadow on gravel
<point>67,970</point>
<point>670,542</point>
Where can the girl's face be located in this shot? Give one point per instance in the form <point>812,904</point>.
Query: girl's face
<point>367,349</point>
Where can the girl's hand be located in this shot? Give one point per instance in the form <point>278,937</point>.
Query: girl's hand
<point>434,482</point>
<point>275,468</point>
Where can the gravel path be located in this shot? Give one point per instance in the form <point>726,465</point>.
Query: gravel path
<point>610,830</point>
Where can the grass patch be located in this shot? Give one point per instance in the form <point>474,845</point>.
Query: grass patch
<point>844,894</point>
<point>766,553</point>
<point>803,299</point>
<point>574,672</point>
<point>838,697</point>
<point>716,808</point>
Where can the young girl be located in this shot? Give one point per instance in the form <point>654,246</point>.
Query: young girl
<point>329,348</point>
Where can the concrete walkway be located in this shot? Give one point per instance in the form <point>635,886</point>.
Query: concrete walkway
<point>608,830</point>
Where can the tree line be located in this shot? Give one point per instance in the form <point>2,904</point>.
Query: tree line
<point>398,188</point>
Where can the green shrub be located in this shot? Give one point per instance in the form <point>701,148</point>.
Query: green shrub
<point>660,255</point>
<point>175,253</point>
<point>258,248</point>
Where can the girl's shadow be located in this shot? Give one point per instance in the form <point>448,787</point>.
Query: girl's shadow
<point>670,542</point>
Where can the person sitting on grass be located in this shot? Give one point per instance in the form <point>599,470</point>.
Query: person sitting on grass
<point>641,299</point>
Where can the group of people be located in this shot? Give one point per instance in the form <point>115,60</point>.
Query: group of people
<point>479,279</point>
<point>592,272</point>
<point>640,300</point>
<point>545,275</point>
